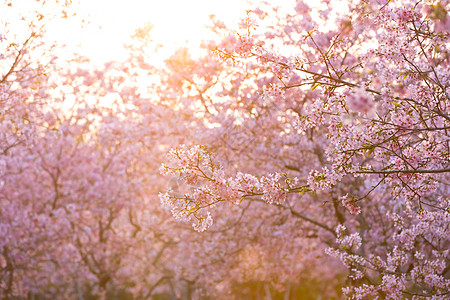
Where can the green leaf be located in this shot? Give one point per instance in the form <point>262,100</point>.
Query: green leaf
<point>315,86</point>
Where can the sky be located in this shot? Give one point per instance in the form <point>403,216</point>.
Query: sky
<point>111,22</point>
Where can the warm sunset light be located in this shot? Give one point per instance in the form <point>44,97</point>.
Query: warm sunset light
<point>110,23</point>
<point>222,149</point>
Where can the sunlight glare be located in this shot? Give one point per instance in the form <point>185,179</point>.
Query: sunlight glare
<point>177,23</point>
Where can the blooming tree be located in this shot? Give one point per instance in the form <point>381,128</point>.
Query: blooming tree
<point>309,154</point>
<point>341,119</point>
<point>80,150</point>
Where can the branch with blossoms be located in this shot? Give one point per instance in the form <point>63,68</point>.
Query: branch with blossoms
<point>209,186</point>
<point>391,121</point>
